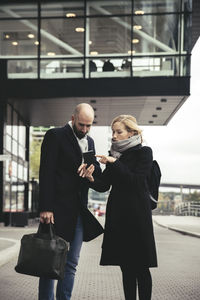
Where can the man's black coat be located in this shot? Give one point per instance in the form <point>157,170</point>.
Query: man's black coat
<point>62,191</point>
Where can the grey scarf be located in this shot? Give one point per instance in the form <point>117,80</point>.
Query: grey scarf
<point>118,147</point>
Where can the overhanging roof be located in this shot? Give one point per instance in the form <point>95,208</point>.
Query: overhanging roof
<point>153,101</point>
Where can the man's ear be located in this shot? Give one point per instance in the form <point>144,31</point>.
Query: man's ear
<point>73,119</point>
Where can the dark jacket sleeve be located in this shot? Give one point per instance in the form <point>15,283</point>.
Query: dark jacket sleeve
<point>48,161</point>
<point>122,173</point>
<point>102,182</point>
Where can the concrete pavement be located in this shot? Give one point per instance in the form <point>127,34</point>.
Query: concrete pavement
<point>176,278</point>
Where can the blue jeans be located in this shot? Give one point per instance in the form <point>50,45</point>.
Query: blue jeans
<point>65,286</point>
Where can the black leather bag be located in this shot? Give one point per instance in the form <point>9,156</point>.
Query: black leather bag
<point>43,254</point>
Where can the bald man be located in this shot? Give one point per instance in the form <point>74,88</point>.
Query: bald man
<point>64,194</point>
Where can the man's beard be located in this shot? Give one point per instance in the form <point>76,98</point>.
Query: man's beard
<point>78,133</point>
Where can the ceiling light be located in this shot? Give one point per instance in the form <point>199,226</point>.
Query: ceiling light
<point>70,15</point>
<point>90,42</point>
<point>80,29</point>
<point>154,116</point>
<point>7,36</point>
<point>36,43</point>
<point>31,36</point>
<point>150,122</point>
<point>94,53</point>
<point>133,52</point>
<point>92,101</point>
<point>158,108</point>
<point>137,27</point>
<point>51,53</point>
<point>163,100</point>
<point>139,12</point>
<point>14,43</point>
<point>135,41</point>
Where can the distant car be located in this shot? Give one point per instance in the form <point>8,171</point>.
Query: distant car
<point>100,211</point>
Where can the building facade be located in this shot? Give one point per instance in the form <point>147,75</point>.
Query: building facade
<point>130,56</point>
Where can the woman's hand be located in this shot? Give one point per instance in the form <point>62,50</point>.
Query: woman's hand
<point>106,159</point>
<point>86,173</point>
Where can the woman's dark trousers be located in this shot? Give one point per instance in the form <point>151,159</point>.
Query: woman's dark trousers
<point>133,279</point>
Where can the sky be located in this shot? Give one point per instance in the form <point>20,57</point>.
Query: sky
<point>176,146</point>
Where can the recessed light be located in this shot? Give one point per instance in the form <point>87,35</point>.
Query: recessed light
<point>135,41</point>
<point>7,36</point>
<point>94,53</point>
<point>90,42</point>
<point>15,43</point>
<point>150,122</point>
<point>31,36</point>
<point>154,116</point>
<point>137,27</point>
<point>158,108</point>
<point>163,100</point>
<point>51,53</point>
<point>36,43</point>
<point>93,101</point>
<point>133,52</point>
<point>70,15</point>
<point>139,12</point>
<point>80,29</point>
<point>94,122</point>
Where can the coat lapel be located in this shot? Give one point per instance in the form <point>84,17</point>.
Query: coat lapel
<point>72,139</point>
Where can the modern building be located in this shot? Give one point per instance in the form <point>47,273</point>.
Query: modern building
<point>130,56</point>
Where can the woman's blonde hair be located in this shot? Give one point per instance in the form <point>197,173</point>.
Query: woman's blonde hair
<point>129,122</point>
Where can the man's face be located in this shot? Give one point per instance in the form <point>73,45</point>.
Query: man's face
<point>81,125</point>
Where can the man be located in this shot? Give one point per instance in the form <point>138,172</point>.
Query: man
<point>64,195</point>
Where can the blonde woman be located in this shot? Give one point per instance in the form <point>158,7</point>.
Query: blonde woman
<point>128,238</point>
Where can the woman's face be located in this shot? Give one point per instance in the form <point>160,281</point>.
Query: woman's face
<point>119,132</point>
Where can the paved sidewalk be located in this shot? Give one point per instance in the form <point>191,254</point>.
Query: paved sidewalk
<point>10,236</point>
<point>176,278</point>
<point>183,224</point>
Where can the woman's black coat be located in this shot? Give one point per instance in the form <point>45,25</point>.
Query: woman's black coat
<point>128,237</point>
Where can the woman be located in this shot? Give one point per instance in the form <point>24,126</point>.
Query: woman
<point>128,238</point>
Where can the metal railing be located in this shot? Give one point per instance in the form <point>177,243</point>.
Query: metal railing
<point>188,209</point>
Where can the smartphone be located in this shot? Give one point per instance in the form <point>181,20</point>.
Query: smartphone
<point>89,157</point>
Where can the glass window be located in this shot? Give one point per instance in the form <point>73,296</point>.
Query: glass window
<point>20,196</point>
<point>109,35</point>
<point>68,9</point>
<point>62,68</point>
<point>15,125</point>
<point>22,134</point>
<point>8,143</point>
<point>18,37</point>
<point>62,37</point>
<point>25,173</point>
<point>20,172</point>
<point>9,120</point>
<point>156,6</point>
<point>104,7</point>
<point>155,33</point>
<point>11,9</point>
<point>14,169</point>
<point>22,68</point>
<point>6,204</point>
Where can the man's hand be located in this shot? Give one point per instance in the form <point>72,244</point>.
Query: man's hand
<point>86,173</point>
<point>46,217</point>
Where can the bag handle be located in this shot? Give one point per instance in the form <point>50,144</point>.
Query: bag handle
<point>46,231</point>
